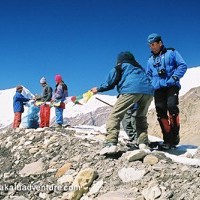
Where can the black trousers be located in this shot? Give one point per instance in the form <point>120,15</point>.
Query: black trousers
<point>166,101</point>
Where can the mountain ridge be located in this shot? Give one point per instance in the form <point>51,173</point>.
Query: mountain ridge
<point>94,112</point>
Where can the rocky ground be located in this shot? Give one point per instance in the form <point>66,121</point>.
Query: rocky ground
<point>65,164</point>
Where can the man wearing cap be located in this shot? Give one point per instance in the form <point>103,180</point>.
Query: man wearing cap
<point>133,87</point>
<point>60,93</point>
<point>44,108</point>
<point>18,106</point>
<point>165,68</point>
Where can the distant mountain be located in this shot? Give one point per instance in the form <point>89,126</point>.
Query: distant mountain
<point>96,118</point>
<point>190,80</point>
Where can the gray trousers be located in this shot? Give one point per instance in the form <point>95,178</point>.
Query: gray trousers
<point>129,124</point>
<point>124,102</point>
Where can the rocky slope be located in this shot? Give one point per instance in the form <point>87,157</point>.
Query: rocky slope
<point>65,164</point>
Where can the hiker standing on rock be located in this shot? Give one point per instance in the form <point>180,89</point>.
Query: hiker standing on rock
<point>133,86</point>
<point>45,109</point>
<point>18,106</point>
<point>165,67</point>
<point>60,93</point>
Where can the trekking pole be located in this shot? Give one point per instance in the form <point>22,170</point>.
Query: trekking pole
<point>104,102</point>
<point>111,105</point>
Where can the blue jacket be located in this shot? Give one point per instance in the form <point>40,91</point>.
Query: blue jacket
<point>129,79</point>
<point>18,102</point>
<point>166,68</point>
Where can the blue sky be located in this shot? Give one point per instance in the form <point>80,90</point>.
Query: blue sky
<point>80,39</point>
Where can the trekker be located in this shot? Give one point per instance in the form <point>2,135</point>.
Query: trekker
<point>165,67</point>
<point>18,106</point>
<point>45,109</point>
<point>129,124</point>
<point>133,86</point>
<point>60,93</point>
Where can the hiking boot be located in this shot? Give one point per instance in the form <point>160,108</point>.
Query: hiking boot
<point>143,138</point>
<point>110,148</point>
<point>132,143</point>
<point>166,146</point>
<point>176,139</point>
<point>153,145</point>
<point>132,137</point>
<point>57,126</point>
<point>67,126</point>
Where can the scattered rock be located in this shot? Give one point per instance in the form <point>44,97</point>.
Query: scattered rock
<point>136,155</point>
<point>32,168</point>
<point>82,182</point>
<point>117,195</point>
<point>63,169</point>
<point>130,174</point>
<point>55,165</point>
<point>150,159</point>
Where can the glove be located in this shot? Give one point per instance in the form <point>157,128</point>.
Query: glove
<point>162,83</point>
<point>172,81</point>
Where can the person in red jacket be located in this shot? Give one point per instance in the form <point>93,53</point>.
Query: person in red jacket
<point>45,108</point>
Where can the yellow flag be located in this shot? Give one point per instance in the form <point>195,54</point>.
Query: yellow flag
<point>87,95</point>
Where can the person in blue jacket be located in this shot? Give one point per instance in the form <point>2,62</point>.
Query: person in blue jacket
<point>133,86</point>
<point>165,68</point>
<point>18,106</point>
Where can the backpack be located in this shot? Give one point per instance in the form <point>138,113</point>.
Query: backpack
<point>65,89</point>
